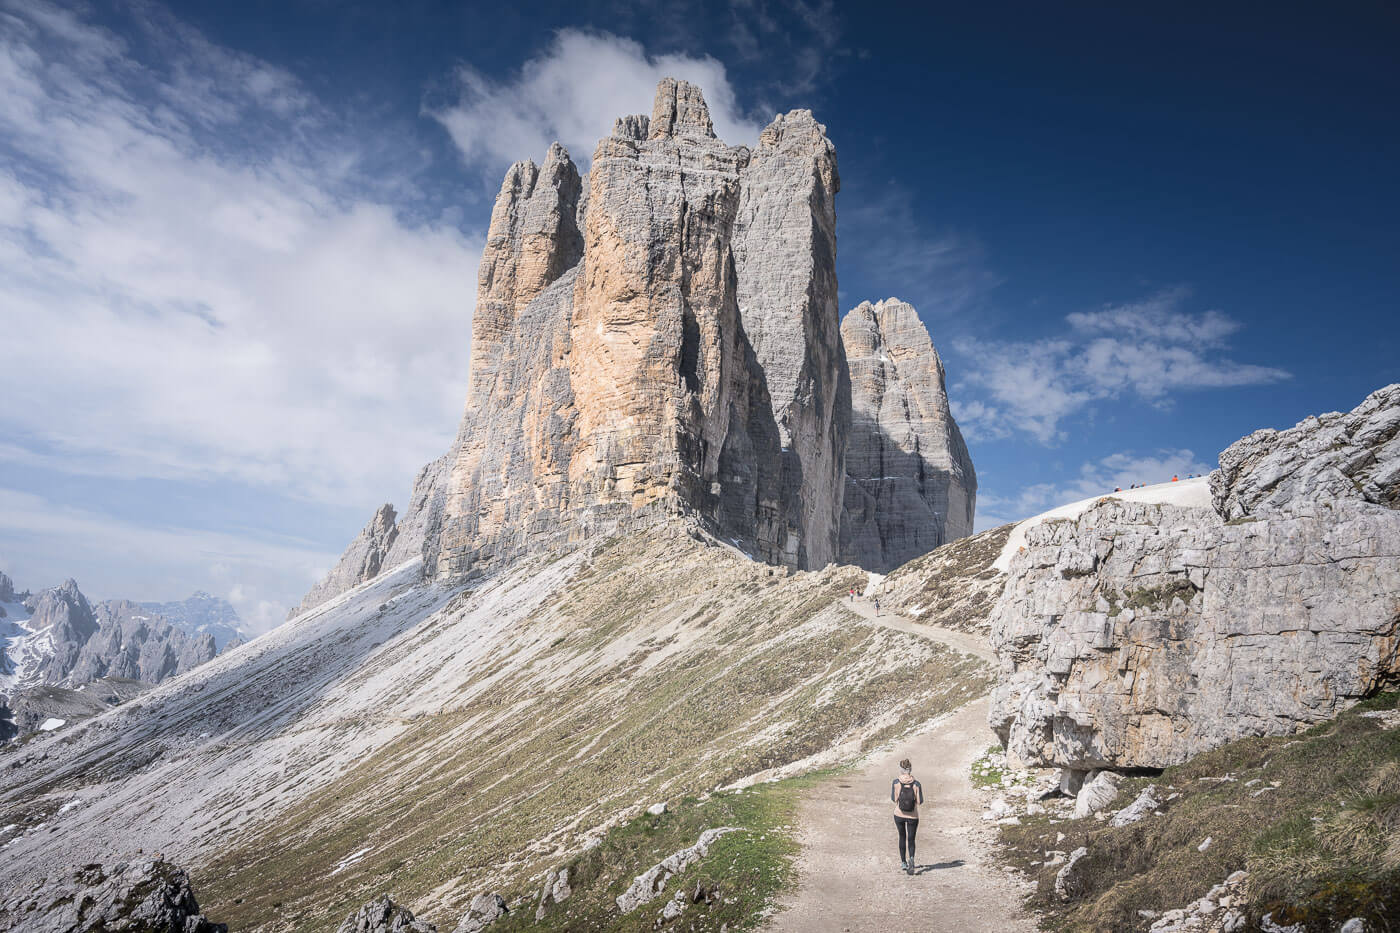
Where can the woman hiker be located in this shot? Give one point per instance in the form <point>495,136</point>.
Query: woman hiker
<point>907,794</point>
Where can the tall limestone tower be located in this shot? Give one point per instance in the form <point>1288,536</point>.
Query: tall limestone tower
<point>659,340</point>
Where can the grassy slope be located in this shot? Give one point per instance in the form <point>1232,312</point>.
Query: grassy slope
<point>662,670</point>
<point>953,586</point>
<point>1320,847</point>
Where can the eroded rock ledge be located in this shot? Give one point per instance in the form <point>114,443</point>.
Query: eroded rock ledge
<point>1139,635</point>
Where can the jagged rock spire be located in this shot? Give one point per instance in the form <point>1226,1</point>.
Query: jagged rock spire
<point>910,482</point>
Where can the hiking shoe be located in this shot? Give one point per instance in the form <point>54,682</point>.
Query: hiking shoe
<point>910,868</point>
<point>903,866</point>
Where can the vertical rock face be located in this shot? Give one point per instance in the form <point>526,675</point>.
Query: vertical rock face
<point>1140,635</point>
<point>910,485</point>
<point>362,560</point>
<point>785,255</point>
<point>660,339</point>
<point>626,387</point>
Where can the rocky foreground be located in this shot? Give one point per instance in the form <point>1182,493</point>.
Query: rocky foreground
<point>1140,635</point>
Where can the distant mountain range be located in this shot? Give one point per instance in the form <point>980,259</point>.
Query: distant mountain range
<point>55,642</point>
<point>200,613</point>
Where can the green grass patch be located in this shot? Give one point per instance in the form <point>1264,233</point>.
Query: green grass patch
<point>1314,819</point>
<point>738,880</point>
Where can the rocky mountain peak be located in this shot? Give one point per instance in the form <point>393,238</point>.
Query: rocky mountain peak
<point>680,110</point>
<point>7,589</point>
<point>660,340</point>
<point>910,482</point>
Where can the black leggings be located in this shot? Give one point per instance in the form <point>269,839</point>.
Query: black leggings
<point>907,830</point>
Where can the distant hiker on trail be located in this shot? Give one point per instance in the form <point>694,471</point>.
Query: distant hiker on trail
<point>877,605</point>
<point>907,794</point>
<point>1174,479</point>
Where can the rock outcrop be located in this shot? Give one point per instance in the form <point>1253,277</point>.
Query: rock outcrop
<point>384,916</point>
<point>660,340</point>
<point>1139,635</point>
<point>149,894</point>
<point>1330,458</point>
<point>910,485</point>
<point>362,560</point>
<point>629,337</point>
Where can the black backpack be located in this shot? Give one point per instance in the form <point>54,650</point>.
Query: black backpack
<point>907,798</point>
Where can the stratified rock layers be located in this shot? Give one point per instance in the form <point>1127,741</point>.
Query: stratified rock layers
<point>910,485</point>
<point>1140,635</point>
<point>661,339</point>
<point>619,385</point>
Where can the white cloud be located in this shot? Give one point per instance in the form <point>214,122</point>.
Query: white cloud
<point>1149,349</point>
<point>112,558</point>
<point>571,93</point>
<point>1095,478</point>
<point>939,272</point>
<point>193,283</point>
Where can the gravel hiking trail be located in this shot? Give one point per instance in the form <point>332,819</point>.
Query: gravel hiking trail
<point>848,874</point>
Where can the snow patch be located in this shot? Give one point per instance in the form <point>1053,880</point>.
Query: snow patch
<point>50,724</point>
<point>1190,493</point>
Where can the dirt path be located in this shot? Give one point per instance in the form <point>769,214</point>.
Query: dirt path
<point>848,872</point>
<point>959,641</point>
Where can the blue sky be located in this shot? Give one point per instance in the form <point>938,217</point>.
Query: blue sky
<point>238,242</point>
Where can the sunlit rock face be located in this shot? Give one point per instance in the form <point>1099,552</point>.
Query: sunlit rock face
<point>661,340</point>
<point>910,485</point>
<point>1139,635</point>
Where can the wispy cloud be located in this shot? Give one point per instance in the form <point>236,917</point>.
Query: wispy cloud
<point>1094,478</point>
<point>571,93</point>
<point>113,558</point>
<point>198,280</point>
<point>938,271</point>
<point>1149,349</point>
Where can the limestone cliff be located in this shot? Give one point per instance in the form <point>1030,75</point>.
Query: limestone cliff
<point>910,485</point>
<point>660,340</point>
<point>362,560</point>
<point>1139,635</point>
<point>627,386</point>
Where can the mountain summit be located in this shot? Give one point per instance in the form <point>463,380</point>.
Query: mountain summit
<point>660,339</point>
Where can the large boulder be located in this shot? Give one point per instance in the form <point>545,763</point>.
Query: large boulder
<point>382,915</point>
<point>1139,635</point>
<point>145,896</point>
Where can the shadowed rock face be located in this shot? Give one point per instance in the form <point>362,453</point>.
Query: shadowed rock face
<point>910,485</point>
<point>621,384</point>
<point>1140,635</point>
<point>660,339</point>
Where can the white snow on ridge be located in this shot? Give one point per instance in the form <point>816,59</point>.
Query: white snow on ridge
<point>1190,493</point>
<point>51,724</point>
<point>22,650</point>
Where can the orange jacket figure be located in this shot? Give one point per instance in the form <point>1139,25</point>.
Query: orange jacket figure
<point>1173,479</point>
